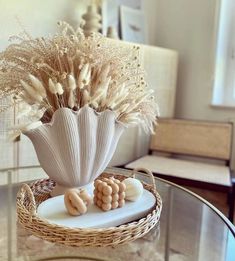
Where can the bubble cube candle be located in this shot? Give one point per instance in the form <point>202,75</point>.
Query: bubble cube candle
<point>109,193</point>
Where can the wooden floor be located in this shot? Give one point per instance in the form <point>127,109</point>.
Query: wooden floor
<point>218,199</point>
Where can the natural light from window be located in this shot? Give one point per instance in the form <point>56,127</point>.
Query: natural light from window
<point>224,81</point>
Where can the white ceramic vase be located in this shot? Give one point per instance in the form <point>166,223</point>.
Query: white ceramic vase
<point>76,147</point>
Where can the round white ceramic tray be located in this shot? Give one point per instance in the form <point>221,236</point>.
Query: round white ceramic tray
<point>54,211</point>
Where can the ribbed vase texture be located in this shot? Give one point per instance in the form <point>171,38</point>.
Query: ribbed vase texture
<point>76,147</point>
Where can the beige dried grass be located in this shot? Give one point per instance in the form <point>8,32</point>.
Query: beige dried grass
<point>68,69</point>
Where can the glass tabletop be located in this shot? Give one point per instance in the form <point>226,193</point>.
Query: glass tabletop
<point>189,229</point>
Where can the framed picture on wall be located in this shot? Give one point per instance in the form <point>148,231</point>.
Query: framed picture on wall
<point>110,15</point>
<point>136,4</point>
<point>110,12</point>
<point>132,25</point>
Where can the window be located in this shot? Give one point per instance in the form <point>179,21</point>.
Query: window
<point>224,82</point>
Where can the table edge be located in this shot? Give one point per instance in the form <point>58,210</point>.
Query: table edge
<point>217,211</point>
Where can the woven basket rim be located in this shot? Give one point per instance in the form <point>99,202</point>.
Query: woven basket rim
<point>26,217</point>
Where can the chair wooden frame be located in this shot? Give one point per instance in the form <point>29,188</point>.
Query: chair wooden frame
<point>204,144</point>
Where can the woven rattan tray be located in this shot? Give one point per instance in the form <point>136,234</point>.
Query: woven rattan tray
<point>30,196</point>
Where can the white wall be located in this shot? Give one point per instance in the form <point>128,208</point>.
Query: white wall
<point>188,26</point>
<point>38,17</point>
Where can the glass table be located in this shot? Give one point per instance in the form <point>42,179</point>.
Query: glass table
<point>189,229</point>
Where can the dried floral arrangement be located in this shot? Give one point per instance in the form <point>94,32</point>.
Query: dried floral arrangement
<point>71,70</point>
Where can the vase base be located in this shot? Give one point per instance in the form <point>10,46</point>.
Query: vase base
<point>60,190</point>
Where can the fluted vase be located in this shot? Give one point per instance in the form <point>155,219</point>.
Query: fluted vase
<point>76,146</point>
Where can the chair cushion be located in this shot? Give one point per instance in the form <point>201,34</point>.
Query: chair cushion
<point>211,173</point>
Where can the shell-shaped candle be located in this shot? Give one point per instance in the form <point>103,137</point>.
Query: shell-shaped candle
<point>76,152</point>
<point>134,189</point>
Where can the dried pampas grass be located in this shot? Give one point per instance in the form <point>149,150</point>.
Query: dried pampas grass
<point>70,70</point>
